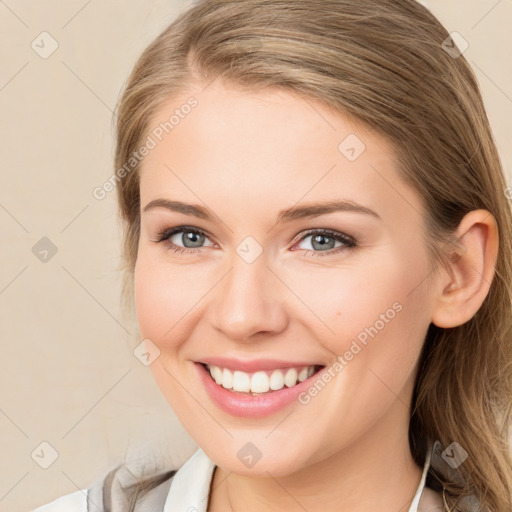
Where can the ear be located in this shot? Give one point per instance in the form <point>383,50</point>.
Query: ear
<point>471,258</point>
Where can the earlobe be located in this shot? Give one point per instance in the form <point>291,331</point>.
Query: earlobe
<point>471,262</point>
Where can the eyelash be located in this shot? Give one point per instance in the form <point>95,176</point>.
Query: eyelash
<point>348,241</point>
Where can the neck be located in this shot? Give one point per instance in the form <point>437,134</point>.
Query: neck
<point>374,472</point>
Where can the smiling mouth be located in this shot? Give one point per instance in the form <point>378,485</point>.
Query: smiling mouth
<point>260,382</point>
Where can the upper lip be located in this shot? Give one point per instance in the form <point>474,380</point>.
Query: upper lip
<point>253,365</point>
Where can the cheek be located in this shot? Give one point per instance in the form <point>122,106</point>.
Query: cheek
<point>345,303</point>
<point>375,314</point>
<point>152,302</point>
<point>383,322</point>
<point>164,296</point>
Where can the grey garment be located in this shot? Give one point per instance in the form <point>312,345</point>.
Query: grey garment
<point>147,490</point>
<point>121,491</point>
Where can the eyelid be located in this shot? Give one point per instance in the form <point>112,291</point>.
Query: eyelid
<point>349,242</point>
<point>165,234</point>
<point>321,231</point>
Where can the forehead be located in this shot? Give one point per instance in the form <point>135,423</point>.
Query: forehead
<point>236,144</point>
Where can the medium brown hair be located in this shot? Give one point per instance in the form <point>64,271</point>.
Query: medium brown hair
<point>381,62</point>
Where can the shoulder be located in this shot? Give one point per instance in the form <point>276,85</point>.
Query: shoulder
<point>74,502</point>
<point>135,486</point>
<point>115,492</point>
<point>125,489</point>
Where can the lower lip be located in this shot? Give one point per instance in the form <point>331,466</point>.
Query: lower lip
<point>251,406</point>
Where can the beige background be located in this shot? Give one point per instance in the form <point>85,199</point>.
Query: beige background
<point>68,376</point>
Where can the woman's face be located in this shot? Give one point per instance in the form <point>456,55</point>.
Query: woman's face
<point>245,285</point>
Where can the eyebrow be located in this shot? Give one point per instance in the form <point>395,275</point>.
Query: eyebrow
<point>313,209</point>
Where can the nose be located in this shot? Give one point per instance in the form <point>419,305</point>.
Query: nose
<point>249,300</point>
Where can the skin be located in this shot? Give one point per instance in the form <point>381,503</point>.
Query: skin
<point>245,155</point>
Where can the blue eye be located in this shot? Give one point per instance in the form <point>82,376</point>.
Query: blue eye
<point>192,236</point>
<point>323,241</point>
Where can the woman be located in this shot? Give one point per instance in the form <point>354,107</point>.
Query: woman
<point>318,244</point>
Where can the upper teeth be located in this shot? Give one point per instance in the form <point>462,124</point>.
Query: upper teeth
<point>259,382</point>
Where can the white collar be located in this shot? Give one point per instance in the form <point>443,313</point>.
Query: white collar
<point>190,486</point>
